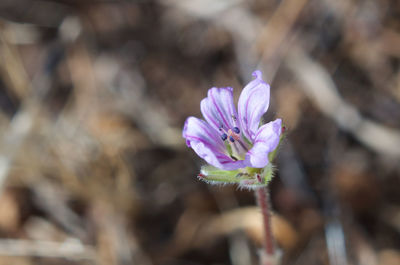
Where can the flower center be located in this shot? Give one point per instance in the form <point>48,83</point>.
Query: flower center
<point>236,147</point>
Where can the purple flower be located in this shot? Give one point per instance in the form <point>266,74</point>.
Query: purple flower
<point>230,139</point>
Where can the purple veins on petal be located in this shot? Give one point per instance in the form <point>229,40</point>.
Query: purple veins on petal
<point>266,141</point>
<point>196,130</point>
<point>231,139</point>
<point>207,144</point>
<point>253,103</point>
<point>218,108</point>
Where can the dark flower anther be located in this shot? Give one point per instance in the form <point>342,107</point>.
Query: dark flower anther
<point>224,136</point>
<point>236,130</point>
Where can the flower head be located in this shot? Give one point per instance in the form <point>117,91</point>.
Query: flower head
<point>231,139</point>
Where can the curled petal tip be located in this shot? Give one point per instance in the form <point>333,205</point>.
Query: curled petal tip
<point>257,74</point>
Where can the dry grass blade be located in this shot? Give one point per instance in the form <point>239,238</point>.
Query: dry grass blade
<point>317,83</point>
<point>70,249</point>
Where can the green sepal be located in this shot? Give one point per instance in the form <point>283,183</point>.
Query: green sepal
<point>260,177</point>
<point>215,175</point>
<point>249,178</point>
<point>267,173</point>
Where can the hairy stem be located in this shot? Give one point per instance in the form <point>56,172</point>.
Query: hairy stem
<point>262,195</point>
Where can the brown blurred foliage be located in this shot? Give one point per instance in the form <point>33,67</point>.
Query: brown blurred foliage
<point>93,96</point>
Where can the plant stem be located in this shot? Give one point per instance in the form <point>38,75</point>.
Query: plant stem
<point>262,195</point>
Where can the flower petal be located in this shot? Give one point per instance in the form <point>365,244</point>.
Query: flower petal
<point>253,103</point>
<point>196,130</point>
<point>216,159</point>
<point>218,108</point>
<point>207,144</point>
<point>266,140</point>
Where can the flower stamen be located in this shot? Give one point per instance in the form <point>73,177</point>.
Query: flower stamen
<point>233,135</point>
<point>224,136</point>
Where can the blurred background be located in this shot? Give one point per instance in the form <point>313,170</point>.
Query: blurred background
<point>93,97</point>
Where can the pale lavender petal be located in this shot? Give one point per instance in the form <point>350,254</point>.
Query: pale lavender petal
<point>253,103</point>
<point>215,159</point>
<point>196,130</point>
<point>207,144</point>
<point>218,108</point>
<point>266,140</point>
